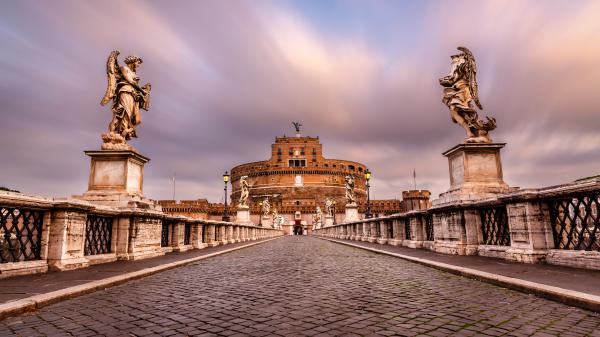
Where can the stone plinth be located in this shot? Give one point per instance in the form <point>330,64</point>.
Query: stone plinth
<point>116,179</point>
<point>328,220</point>
<point>266,221</point>
<point>243,215</point>
<point>351,213</point>
<point>475,172</point>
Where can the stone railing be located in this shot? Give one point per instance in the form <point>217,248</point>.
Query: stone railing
<point>557,225</point>
<point>38,234</point>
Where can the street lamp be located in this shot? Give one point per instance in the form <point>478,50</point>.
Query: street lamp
<point>368,214</point>
<point>225,210</point>
<point>260,214</point>
<point>333,207</point>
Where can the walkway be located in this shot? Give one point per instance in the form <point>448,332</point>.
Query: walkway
<point>297,286</point>
<point>20,287</point>
<point>575,279</point>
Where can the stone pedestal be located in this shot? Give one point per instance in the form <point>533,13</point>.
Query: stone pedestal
<point>243,215</point>
<point>475,172</point>
<point>318,225</point>
<point>351,213</point>
<point>116,179</point>
<point>328,220</point>
<point>266,221</point>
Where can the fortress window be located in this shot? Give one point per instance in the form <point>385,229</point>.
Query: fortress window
<point>278,154</point>
<point>291,151</point>
<point>297,162</point>
<point>326,165</point>
<point>297,203</point>
<point>351,167</point>
<point>360,169</point>
<point>302,151</point>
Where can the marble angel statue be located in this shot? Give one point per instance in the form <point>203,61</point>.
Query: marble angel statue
<point>329,207</point>
<point>266,207</point>
<point>350,197</point>
<point>244,192</point>
<point>127,97</point>
<point>462,98</point>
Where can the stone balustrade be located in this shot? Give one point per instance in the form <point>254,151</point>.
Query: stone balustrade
<point>38,234</point>
<point>556,225</point>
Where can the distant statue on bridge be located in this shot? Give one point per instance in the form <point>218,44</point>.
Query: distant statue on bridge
<point>266,207</point>
<point>244,192</point>
<point>350,196</point>
<point>127,97</point>
<point>275,215</point>
<point>318,218</point>
<point>329,207</point>
<point>461,97</point>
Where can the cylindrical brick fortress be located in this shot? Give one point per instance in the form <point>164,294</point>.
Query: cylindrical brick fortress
<point>298,178</point>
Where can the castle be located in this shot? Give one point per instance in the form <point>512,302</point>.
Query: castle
<point>296,179</point>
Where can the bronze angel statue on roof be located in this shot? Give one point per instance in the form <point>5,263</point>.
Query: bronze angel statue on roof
<point>127,97</point>
<point>461,97</point>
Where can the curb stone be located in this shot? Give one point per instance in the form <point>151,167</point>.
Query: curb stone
<point>565,296</point>
<point>35,302</point>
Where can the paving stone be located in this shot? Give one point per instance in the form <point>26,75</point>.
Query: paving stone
<point>303,286</point>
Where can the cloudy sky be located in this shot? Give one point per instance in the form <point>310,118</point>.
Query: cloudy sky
<point>229,76</point>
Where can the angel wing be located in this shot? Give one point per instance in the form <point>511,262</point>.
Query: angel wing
<point>113,73</point>
<point>472,74</point>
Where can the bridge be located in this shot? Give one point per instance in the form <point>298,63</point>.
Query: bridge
<point>302,285</point>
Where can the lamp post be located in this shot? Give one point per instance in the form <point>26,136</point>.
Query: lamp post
<point>368,214</point>
<point>260,214</point>
<point>225,210</point>
<point>333,207</point>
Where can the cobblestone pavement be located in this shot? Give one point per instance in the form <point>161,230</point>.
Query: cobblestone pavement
<point>297,286</point>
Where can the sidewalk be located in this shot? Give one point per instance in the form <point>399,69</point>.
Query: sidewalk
<point>27,292</point>
<point>573,286</point>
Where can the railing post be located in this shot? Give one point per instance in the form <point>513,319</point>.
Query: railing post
<point>211,235</point>
<point>383,232</point>
<point>372,231</point>
<point>66,238</point>
<point>416,230</point>
<point>530,231</point>
<point>458,230</point>
<point>196,239</point>
<point>230,235</point>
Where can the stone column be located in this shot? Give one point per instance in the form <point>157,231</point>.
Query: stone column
<point>349,231</point>
<point>457,231</point>
<point>373,231</point>
<point>178,234</point>
<point>196,239</point>
<point>396,238</point>
<point>530,232</point>
<point>383,230</point>
<point>222,234</point>
<point>236,233</point>
<point>416,230</point>
<point>211,234</point>
<point>66,237</point>
<point>230,234</point>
